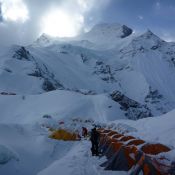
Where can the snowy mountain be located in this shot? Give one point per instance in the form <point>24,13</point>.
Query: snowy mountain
<point>142,69</point>
<point>106,33</point>
<point>104,75</point>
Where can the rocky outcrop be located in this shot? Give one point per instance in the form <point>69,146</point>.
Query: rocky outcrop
<point>133,109</point>
<point>50,83</point>
<point>126,31</point>
<point>22,54</point>
<point>104,72</point>
<point>41,70</point>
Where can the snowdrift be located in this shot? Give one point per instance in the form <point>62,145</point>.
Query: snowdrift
<point>60,105</point>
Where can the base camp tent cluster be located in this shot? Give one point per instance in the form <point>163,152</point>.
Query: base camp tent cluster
<point>126,153</point>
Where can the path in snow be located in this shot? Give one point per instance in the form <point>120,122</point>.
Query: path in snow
<point>78,161</point>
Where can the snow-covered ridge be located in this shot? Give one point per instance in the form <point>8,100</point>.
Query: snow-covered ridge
<point>101,32</point>
<point>140,67</point>
<point>132,66</point>
<point>100,36</point>
<point>44,39</point>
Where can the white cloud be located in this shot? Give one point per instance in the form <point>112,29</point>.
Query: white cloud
<point>14,10</point>
<point>61,23</point>
<point>27,19</point>
<point>140,17</point>
<point>169,37</point>
<point>158,5</point>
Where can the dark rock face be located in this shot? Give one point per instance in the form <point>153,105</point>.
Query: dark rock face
<point>84,92</point>
<point>47,116</point>
<point>50,83</point>
<point>104,72</point>
<point>123,100</point>
<point>41,70</point>
<point>8,70</point>
<point>154,96</point>
<point>126,31</point>
<point>43,39</point>
<point>133,109</point>
<point>48,86</point>
<point>36,73</point>
<point>22,54</point>
<point>83,57</point>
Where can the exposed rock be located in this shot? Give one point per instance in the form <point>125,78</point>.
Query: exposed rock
<point>8,70</point>
<point>22,54</point>
<point>133,109</point>
<point>83,57</point>
<point>6,155</point>
<point>42,71</point>
<point>85,92</point>
<point>47,116</point>
<point>43,40</point>
<point>48,86</point>
<point>104,71</point>
<point>126,31</point>
<point>153,96</point>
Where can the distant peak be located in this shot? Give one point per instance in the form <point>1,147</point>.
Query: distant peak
<point>107,25</point>
<point>107,33</point>
<point>44,36</point>
<point>148,34</point>
<point>43,39</point>
<point>126,31</point>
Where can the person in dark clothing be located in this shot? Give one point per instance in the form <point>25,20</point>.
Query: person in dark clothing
<point>84,132</point>
<point>95,141</point>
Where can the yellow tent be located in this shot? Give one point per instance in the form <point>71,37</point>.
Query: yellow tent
<point>62,134</point>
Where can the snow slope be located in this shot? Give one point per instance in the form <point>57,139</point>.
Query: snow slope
<point>155,129</point>
<point>78,161</point>
<point>140,67</point>
<point>60,105</point>
<point>106,76</point>
<point>32,148</point>
<point>32,153</point>
<point>28,150</point>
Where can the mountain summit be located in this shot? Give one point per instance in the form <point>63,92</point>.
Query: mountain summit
<point>104,32</point>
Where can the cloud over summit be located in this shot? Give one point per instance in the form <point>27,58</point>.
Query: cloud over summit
<point>24,20</point>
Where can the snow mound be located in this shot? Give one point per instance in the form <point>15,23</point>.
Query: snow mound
<point>60,105</point>
<point>6,155</point>
<point>124,128</point>
<point>153,129</point>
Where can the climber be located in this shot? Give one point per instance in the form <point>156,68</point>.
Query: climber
<point>84,132</point>
<point>95,141</point>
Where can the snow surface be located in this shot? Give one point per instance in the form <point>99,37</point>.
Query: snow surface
<point>80,74</point>
<point>60,105</point>
<point>155,129</point>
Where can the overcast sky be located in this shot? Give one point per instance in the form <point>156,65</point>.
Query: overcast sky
<point>22,21</point>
